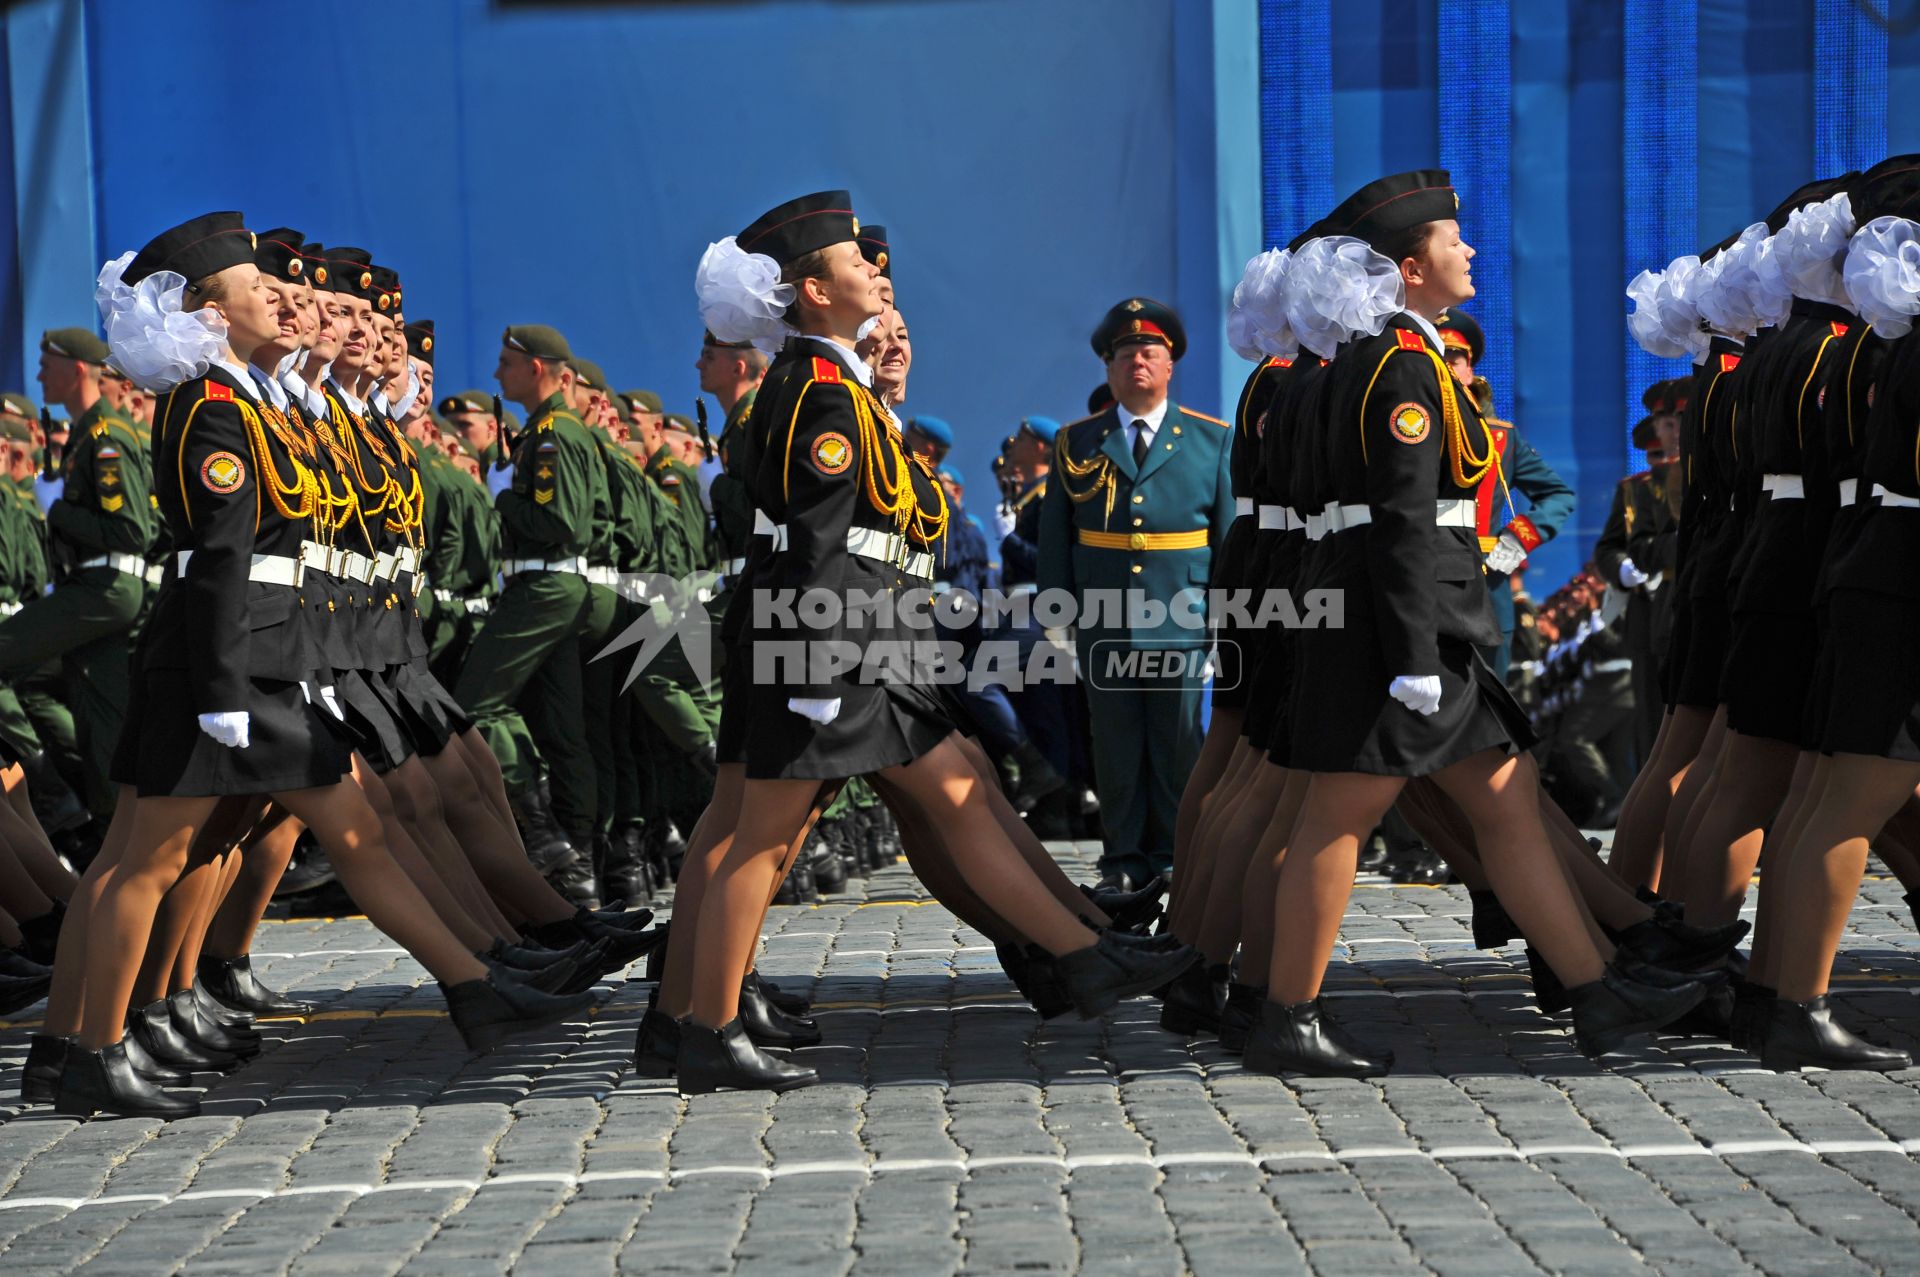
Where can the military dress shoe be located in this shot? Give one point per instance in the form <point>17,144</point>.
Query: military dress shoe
<point>1107,971</point>
<point>625,880</point>
<point>207,1033</point>
<point>40,1075</point>
<point>153,1025</point>
<point>1799,1034</point>
<point>1493,926</point>
<point>1193,1000</point>
<point>1610,1013</point>
<point>1239,1014</point>
<point>232,982</point>
<point>768,1025</point>
<point>710,1059</point>
<point>1131,908</point>
<point>487,1012</point>
<point>92,1081</point>
<point>1751,1011</point>
<point>1300,1039</point>
<point>1666,941</point>
<point>791,1003</point>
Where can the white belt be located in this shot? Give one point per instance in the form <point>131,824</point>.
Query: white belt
<point>1849,491</point>
<point>131,564</point>
<point>764,526</point>
<point>736,566</point>
<point>1896,498</point>
<point>1783,487</point>
<point>514,567</point>
<point>386,565</point>
<point>269,569</point>
<point>11,609</point>
<point>606,575</point>
<point>1457,513</point>
<point>1316,525</point>
<point>1294,522</point>
<point>1613,667</point>
<point>1242,507</point>
<point>1342,517</point>
<point>633,589</point>
<point>888,547</point>
<point>322,558</point>
<point>1273,518</point>
<point>475,606</point>
<point>445,596</point>
<point>155,573</point>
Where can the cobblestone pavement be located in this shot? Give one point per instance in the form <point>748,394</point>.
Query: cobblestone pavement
<point>954,1133</point>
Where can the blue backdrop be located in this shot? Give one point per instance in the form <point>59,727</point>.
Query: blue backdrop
<point>1034,160</point>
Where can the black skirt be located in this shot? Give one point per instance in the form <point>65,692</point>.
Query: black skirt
<point>1342,719</point>
<point>373,720</point>
<point>1230,568</point>
<point>731,740</point>
<point>1768,673</point>
<point>879,726</point>
<point>1709,631</point>
<point>292,743</point>
<point>427,709</point>
<point>1866,683</point>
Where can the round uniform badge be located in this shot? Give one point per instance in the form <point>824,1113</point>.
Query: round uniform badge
<point>223,473</point>
<point>1411,423</point>
<point>832,454</point>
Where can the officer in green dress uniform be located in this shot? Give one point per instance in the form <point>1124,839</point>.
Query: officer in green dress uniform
<point>526,656</point>
<point>99,523</point>
<point>41,692</point>
<point>1138,497</point>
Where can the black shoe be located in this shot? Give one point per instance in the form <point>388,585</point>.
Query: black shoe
<point>768,1025</point>
<point>105,1079</point>
<point>1373,856</point>
<point>1751,1003</point>
<point>883,848</point>
<point>797,887</point>
<point>1797,1034</point>
<point>531,957</point>
<point>1162,942</point>
<point>153,1025</point>
<point>233,1021</point>
<point>791,1003</point>
<point>625,880</point>
<point>1107,971</point>
<point>1548,993</point>
<point>489,1011</point>
<point>13,962</point>
<point>627,919</point>
<point>1034,974</point>
<point>1115,883</point>
<point>1713,1018</point>
<point>623,945</point>
<point>1665,941</point>
<point>22,991</point>
<point>1609,1013</point>
<point>40,937</point>
<point>564,976</point>
<point>46,1059</point>
<point>712,1058</point>
<point>148,1067</point>
<point>1129,909</point>
<point>577,884</point>
<point>1493,926</point>
<point>203,1031</point>
<point>666,849</point>
<point>233,983</point>
<point>1194,999</point>
<point>309,870</point>
<point>657,960</point>
<point>1037,780</point>
<point>546,843</point>
<point>656,1047</point>
<point>829,874</point>
<point>1299,1039</point>
<point>1238,1016</point>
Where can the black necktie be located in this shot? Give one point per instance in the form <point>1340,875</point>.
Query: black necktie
<point>1139,443</point>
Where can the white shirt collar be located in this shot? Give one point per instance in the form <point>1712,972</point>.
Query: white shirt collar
<point>357,406</point>
<point>1426,326</point>
<point>239,372</point>
<point>271,386</point>
<point>852,362</point>
<point>1153,419</point>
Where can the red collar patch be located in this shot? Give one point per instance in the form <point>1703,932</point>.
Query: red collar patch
<point>1410,340</point>
<point>1729,362</point>
<point>826,370</point>
<point>219,391</point>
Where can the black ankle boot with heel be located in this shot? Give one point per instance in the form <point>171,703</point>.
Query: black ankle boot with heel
<point>710,1059</point>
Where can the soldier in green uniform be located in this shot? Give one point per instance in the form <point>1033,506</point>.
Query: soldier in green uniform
<point>1139,496</point>
<point>526,654</point>
<point>99,523</point>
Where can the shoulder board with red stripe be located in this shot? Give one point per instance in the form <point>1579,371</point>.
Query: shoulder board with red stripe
<point>1839,329</point>
<point>219,391</point>
<point>1729,362</point>
<point>1409,339</point>
<point>826,370</point>
<point>1188,412</point>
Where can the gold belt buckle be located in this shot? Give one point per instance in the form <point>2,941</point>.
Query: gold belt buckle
<point>1137,541</point>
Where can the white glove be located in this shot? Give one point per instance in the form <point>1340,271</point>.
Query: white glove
<point>499,481</point>
<point>1003,523</point>
<point>820,711</point>
<point>48,491</point>
<point>228,727</point>
<point>1631,576</point>
<point>1506,555</point>
<point>1418,692</point>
